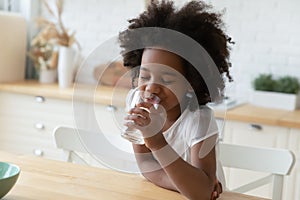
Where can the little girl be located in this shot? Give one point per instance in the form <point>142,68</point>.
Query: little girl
<point>180,135</point>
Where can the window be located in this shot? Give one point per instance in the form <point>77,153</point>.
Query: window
<point>10,5</point>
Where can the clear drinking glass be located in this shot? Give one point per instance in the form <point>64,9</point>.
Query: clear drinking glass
<point>130,133</point>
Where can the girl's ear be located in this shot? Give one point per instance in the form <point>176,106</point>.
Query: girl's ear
<point>190,92</point>
<point>190,89</point>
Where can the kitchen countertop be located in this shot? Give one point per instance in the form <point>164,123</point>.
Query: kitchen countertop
<point>103,95</point>
<point>268,116</point>
<point>100,94</point>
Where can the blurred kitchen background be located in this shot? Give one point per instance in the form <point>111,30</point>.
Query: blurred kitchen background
<point>266,35</point>
<point>265,32</point>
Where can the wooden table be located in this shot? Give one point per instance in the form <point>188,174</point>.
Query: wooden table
<point>42,179</point>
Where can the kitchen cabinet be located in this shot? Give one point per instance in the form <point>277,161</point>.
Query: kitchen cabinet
<point>293,181</point>
<point>29,111</point>
<point>27,122</point>
<point>256,134</point>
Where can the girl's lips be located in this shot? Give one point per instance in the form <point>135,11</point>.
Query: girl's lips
<point>153,99</point>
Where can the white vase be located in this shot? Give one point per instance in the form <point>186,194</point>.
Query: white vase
<point>66,66</point>
<point>48,76</point>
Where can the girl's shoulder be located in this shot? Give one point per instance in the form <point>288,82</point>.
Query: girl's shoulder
<point>201,111</point>
<point>202,116</point>
<point>199,125</point>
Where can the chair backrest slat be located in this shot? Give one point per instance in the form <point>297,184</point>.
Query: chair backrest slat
<point>109,150</point>
<point>274,161</point>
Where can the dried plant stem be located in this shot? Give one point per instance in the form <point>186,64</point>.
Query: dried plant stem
<point>64,38</point>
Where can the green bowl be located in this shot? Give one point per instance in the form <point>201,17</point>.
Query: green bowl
<point>9,174</point>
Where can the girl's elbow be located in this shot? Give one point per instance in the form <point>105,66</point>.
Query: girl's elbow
<point>203,192</point>
<point>198,196</point>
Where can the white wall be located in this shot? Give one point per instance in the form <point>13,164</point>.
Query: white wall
<point>266,32</point>
<point>267,39</point>
<point>98,20</point>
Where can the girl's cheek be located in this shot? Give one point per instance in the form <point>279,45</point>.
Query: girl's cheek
<point>177,89</point>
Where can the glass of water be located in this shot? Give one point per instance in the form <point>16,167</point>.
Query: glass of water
<point>131,134</point>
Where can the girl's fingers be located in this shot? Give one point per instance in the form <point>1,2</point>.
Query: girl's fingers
<point>144,105</point>
<point>215,195</point>
<point>140,118</point>
<point>149,121</point>
<point>135,121</point>
<point>139,111</point>
<point>135,116</point>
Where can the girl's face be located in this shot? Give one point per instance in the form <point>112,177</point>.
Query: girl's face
<point>162,73</point>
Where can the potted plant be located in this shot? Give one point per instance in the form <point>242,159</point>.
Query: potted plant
<point>46,45</point>
<point>281,93</point>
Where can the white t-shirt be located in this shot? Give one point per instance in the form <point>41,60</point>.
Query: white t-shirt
<point>191,128</point>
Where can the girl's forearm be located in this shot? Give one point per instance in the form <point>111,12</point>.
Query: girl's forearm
<point>161,179</point>
<point>190,181</point>
<point>165,168</point>
<point>152,171</point>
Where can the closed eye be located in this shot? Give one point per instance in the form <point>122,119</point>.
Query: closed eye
<point>168,79</point>
<point>145,78</point>
<point>167,82</point>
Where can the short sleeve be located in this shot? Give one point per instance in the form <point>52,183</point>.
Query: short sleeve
<point>202,125</point>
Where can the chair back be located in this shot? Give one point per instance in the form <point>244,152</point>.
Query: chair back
<point>274,161</point>
<point>68,140</point>
<point>110,150</point>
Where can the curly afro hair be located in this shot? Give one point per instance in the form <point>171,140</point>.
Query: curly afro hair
<point>193,20</point>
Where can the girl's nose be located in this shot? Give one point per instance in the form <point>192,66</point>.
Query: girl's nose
<point>153,88</point>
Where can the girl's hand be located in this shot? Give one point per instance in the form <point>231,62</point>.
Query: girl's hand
<point>217,190</point>
<point>149,119</point>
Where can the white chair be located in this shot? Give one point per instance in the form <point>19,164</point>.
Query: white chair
<point>276,162</point>
<point>68,140</point>
<point>116,152</point>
